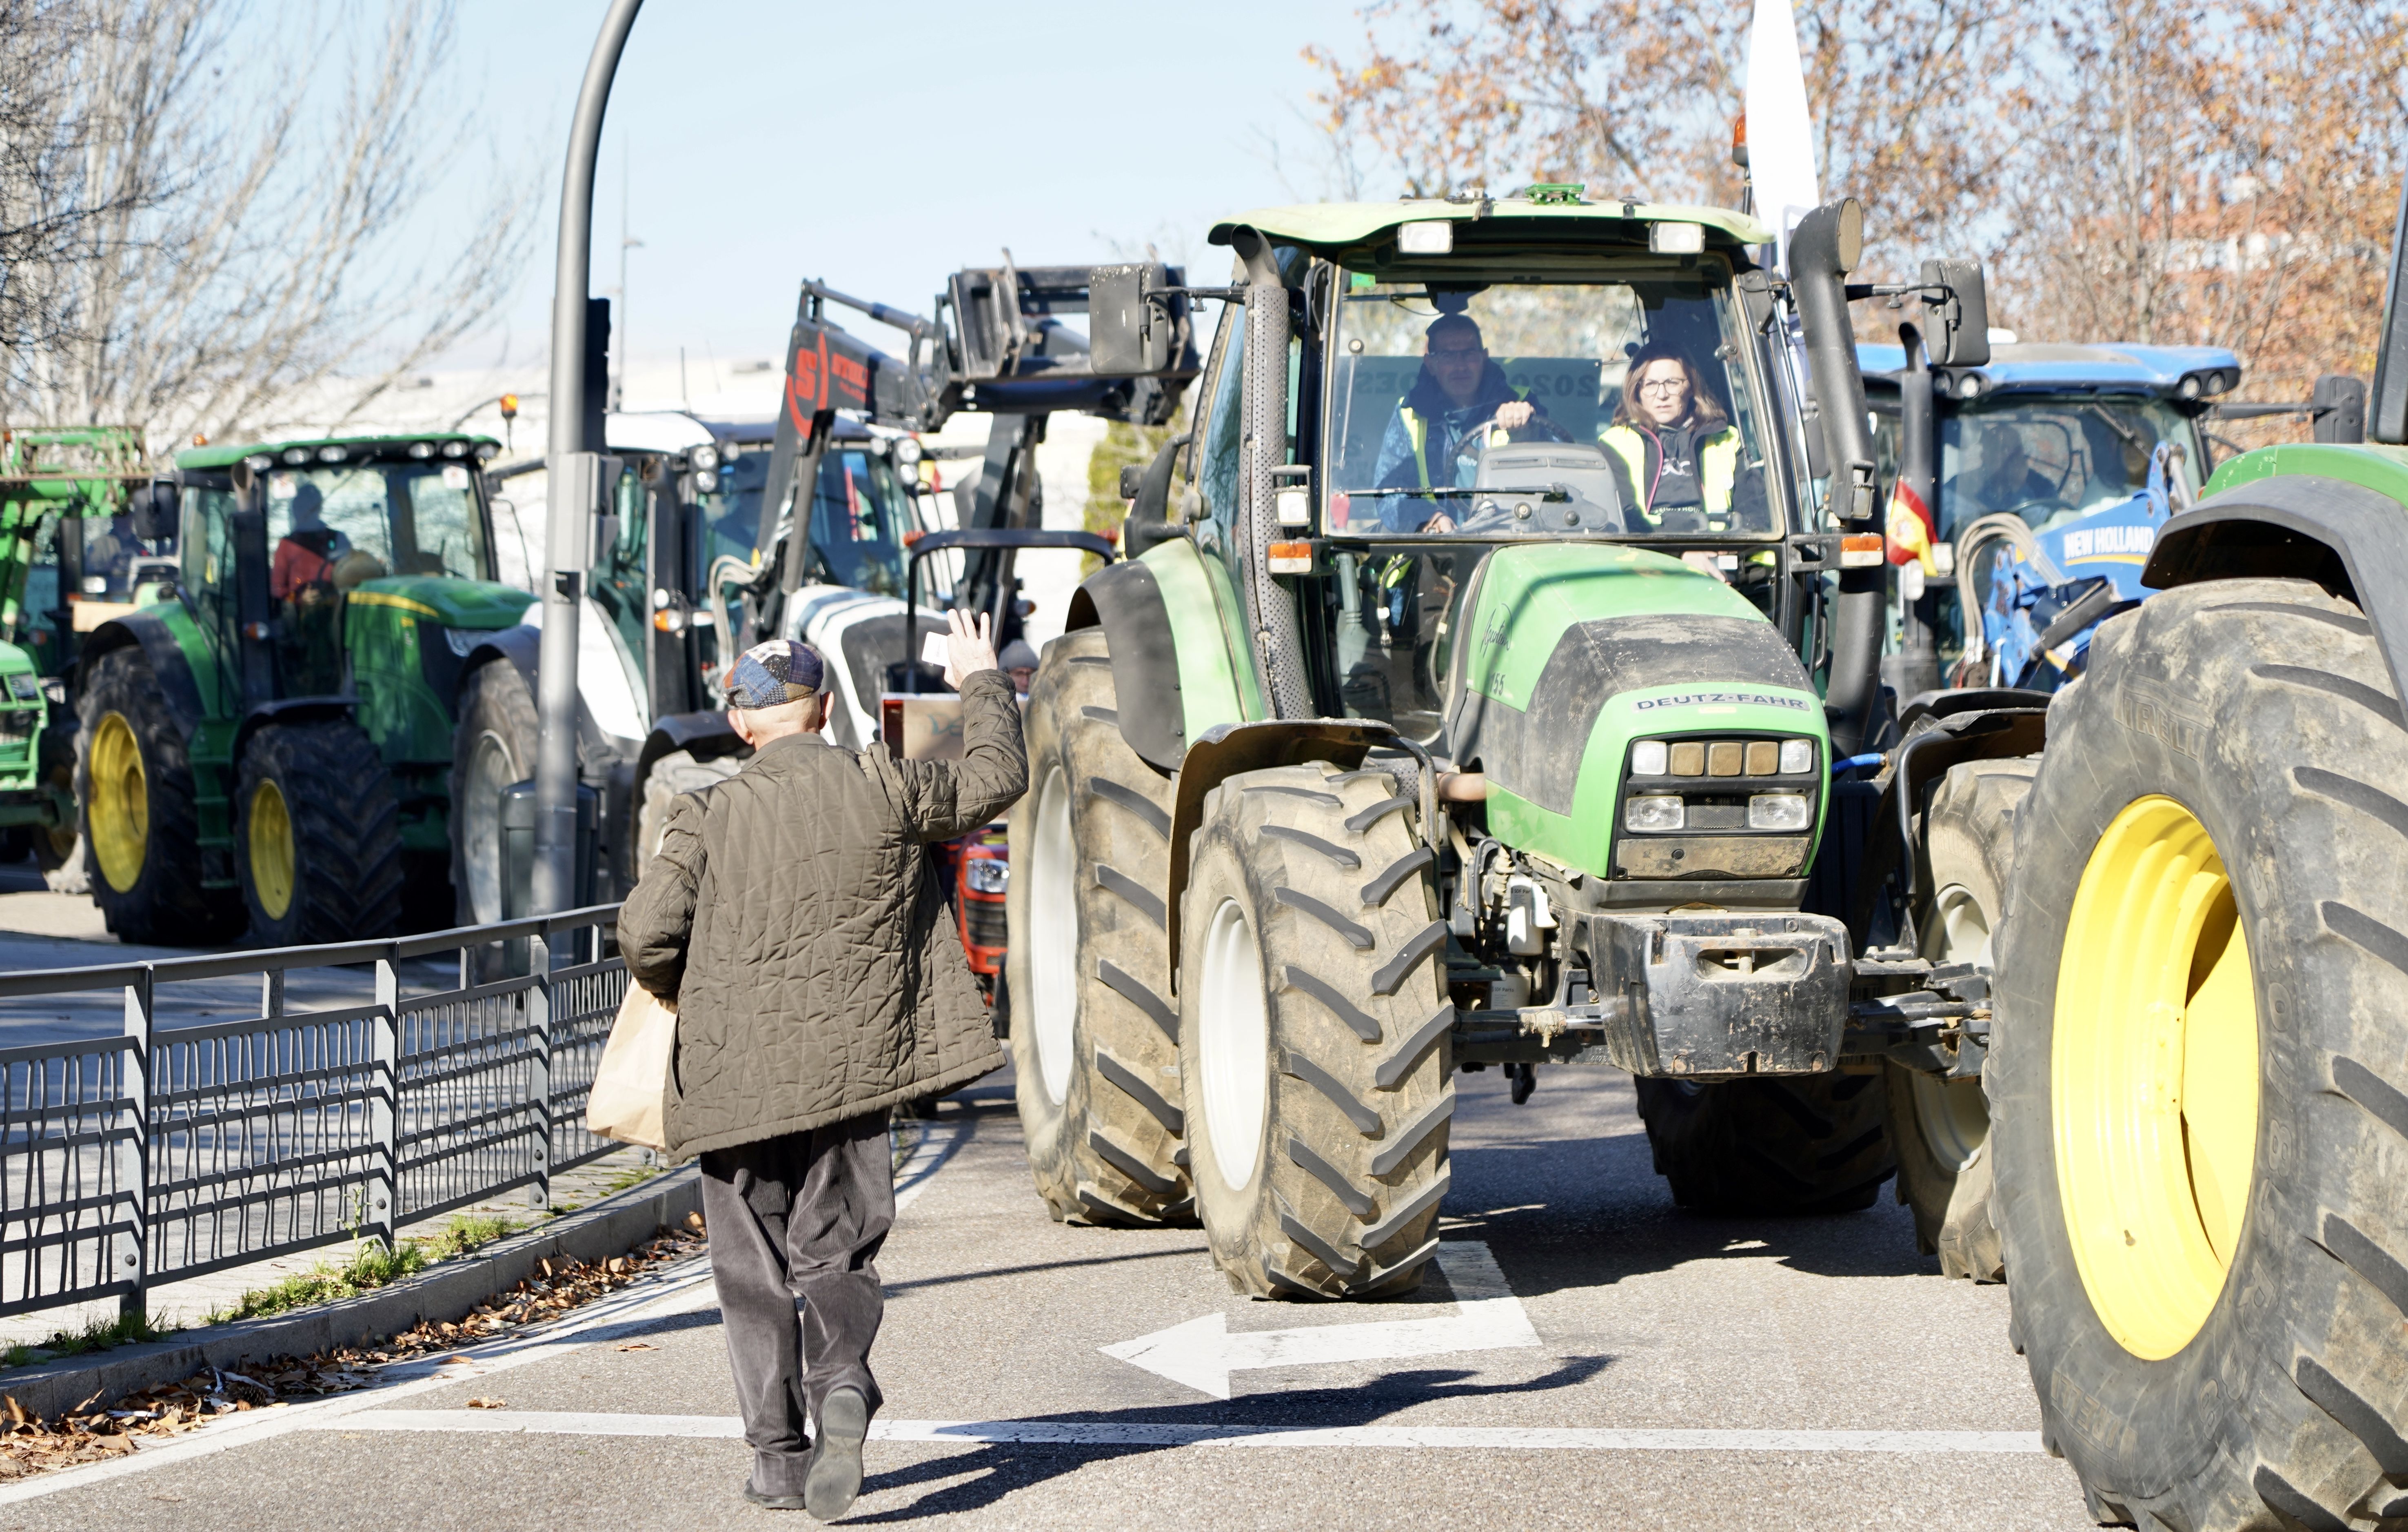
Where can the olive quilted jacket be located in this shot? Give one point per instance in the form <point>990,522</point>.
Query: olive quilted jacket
<point>798,918</point>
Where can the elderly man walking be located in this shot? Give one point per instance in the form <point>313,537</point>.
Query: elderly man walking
<point>794,916</point>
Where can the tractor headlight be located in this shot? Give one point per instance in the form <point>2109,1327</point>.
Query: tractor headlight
<point>987,875</point>
<point>1648,758</point>
<point>706,482</point>
<point>1780,811</point>
<point>1656,811</point>
<point>706,458</point>
<point>1797,755</point>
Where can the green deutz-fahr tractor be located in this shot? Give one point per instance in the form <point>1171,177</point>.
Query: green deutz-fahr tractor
<point>272,746</point>
<point>1475,701</point>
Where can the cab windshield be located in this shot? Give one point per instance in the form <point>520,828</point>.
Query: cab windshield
<point>342,525</point>
<point>2051,460</point>
<point>1546,409</point>
<point>858,519</point>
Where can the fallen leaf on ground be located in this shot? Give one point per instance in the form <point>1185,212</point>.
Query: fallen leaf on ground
<point>488,1404</point>
<point>639,1346</point>
<point>29,1444</point>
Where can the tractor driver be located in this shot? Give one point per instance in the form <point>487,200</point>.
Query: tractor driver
<point>1458,391</point>
<point>2004,481</point>
<point>305,555</point>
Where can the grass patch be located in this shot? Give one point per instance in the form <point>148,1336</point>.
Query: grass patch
<point>98,1336</point>
<point>634,1175</point>
<point>369,1266</point>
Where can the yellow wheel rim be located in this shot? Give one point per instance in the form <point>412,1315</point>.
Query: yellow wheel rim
<point>120,802</point>
<point>2153,1078</point>
<point>271,849</point>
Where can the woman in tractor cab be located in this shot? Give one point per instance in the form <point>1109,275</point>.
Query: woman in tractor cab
<point>1676,457</point>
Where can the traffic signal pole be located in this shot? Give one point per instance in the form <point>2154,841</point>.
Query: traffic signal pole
<point>578,483</point>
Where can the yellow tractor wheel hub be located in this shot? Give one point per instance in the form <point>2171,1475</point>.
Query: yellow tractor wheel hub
<point>271,849</point>
<point>120,802</point>
<point>2153,1076</point>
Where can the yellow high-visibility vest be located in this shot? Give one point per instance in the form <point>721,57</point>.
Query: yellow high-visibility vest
<point>1717,467</point>
<point>1418,430</point>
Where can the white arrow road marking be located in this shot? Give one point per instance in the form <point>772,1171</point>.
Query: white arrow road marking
<point>1201,1354</point>
<point>1111,1434</point>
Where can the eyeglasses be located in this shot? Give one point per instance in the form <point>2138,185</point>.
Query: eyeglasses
<point>1663,385</point>
<point>1457,354</point>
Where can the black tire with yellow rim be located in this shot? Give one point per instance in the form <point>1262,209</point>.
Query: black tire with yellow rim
<point>317,834</point>
<point>134,786</point>
<point>2199,1082</point>
<point>1938,1126</point>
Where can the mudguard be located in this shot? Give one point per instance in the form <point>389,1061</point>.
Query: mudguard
<point>707,735</point>
<point>1174,671</point>
<point>2344,536</point>
<point>158,644</point>
<point>518,645</point>
<point>1125,599</point>
<point>290,710</point>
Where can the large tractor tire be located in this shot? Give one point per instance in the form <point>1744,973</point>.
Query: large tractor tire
<point>674,773</point>
<point>1095,1036</point>
<point>317,835</point>
<point>1938,1126</point>
<point>2198,1082</point>
<point>1769,1144</point>
<point>1314,1034</point>
<point>493,746</point>
<point>59,850</point>
<point>133,782</point>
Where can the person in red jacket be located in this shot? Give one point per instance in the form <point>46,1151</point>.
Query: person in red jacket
<point>305,556</point>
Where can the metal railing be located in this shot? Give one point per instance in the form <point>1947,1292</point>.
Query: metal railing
<point>166,1153</point>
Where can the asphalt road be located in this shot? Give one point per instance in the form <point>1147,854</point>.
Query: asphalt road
<point>1595,1357</point>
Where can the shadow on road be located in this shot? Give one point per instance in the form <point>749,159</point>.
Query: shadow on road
<point>999,1469</point>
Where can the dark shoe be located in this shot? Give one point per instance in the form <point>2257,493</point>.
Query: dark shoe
<point>775,1502</point>
<point>833,1481</point>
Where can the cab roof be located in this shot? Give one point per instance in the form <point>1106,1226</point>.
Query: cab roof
<point>226,456</point>
<point>2112,368</point>
<point>1350,232</point>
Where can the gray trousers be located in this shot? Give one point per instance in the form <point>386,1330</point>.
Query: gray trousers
<point>796,1222</point>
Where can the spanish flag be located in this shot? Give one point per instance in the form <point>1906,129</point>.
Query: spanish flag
<point>1910,529</point>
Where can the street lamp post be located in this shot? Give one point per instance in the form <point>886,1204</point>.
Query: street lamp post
<point>578,483</point>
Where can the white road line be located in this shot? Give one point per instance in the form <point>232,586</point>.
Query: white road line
<point>629,1312</point>
<point>1105,1434</point>
<point>937,1145</point>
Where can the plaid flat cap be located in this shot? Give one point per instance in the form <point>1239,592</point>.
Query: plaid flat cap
<point>773,674</point>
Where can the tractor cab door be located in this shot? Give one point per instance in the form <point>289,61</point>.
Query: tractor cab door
<point>206,579</point>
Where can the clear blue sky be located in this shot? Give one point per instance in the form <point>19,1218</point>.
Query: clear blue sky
<point>882,146</point>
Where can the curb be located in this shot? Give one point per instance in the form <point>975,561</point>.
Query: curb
<point>597,1232</point>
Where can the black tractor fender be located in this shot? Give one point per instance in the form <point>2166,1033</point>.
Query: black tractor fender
<point>1124,599</point>
<point>146,631</point>
<point>706,735</point>
<point>2344,537</point>
<point>518,645</point>
<point>1227,749</point>
<point>289,710</point>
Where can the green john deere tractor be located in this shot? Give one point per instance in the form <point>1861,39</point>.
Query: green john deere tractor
<point>68,560</point>
<point>272,743</point>
<point>1475,700</point>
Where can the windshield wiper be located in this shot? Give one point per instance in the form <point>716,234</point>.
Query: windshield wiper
<point>1544,492</point>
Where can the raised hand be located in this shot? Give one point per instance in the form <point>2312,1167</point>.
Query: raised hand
<point>969,647</point>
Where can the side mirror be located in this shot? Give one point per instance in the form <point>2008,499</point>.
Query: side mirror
<point>2337,408</point>
<point>154,510</point>
<point>1959,322</point>
<point>1135,321</point>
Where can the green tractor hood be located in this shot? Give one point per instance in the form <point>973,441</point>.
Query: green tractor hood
<point>1567,654</point>
<point>453,603</point>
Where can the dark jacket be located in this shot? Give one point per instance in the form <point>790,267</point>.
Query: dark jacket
<point>796,915</point>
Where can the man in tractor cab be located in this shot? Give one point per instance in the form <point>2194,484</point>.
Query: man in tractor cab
<point>2004,480</point>
<point>1675,454</point>
<point>305,555</point>
<point>1457,392</point>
